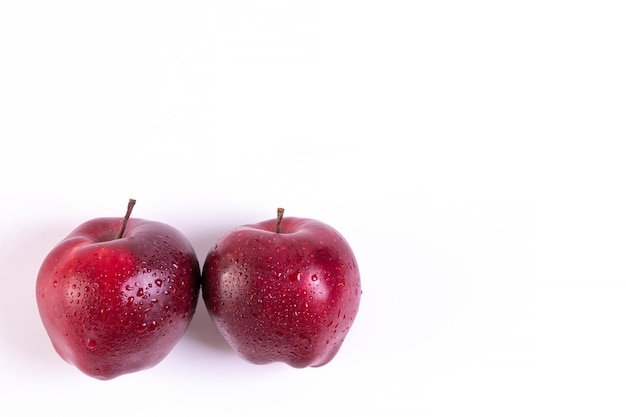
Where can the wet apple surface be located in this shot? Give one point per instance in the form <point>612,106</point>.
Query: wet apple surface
<point>289,296</point>
<point>118,305</point>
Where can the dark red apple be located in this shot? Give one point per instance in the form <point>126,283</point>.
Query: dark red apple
<point>283,290</point>
<point>117,294</point>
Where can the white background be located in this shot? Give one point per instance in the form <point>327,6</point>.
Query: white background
<point>468,151</point>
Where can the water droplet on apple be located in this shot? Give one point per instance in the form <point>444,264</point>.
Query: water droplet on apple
<point>130,300</point>
<point>128,288</point>
<point>142,327</point>
<point>175,265</point>
<point>158,282</point>
<point>91,343</point>
<point>54,284</point>
<point>152,326</point>
<point>314,277</point>
<point>140,292</point>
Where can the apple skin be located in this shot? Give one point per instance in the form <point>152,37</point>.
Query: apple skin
<point>115,306</point>
<point>282,297</point>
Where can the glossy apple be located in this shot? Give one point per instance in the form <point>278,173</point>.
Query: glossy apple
<point>283,290</point>
<point>117,294</point>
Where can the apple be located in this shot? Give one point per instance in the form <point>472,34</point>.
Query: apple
<point>117,294</point>
<point>282,290</point>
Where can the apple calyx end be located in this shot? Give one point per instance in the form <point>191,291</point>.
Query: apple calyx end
<point>129,209</point>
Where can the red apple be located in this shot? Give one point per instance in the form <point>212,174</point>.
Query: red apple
<point>117,294</point>
<point>283,290</point>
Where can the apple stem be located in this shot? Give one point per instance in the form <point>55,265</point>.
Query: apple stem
<point>279,218</point>
<point>129,209</point>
